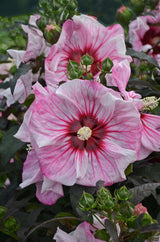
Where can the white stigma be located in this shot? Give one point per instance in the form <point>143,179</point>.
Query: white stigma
<point>84,133</point>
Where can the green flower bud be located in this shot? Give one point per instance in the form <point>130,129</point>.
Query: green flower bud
<point>74,74</point>
<point>86,202</point>
<point>127,210</point>
<point>124,15</point>
<point>107,65</point>
<point>138,6</point>
<point>52,33</point>
<point>123,194</point>
<point>103,193</point>
<point>87,60</point>
<point>108,203</point>
<point>3,210</point>
<point>10,224</point>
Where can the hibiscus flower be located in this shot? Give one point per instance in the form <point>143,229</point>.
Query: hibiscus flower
<point>82,133</point>
<point>80,36</point>
<point>144,34</point>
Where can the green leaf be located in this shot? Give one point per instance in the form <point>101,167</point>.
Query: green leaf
<point>150,228</point>
<point>142,191</point>
<point>111,230</point>
<point>142,56</point>
<point>9,145</point>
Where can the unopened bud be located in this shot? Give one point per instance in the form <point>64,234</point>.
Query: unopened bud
<point>127,210</point>
<point>124,15</point>
<point>123,194</point>
<point>107,65</point>
<point>87,60</point>
<point>52,33</point>
<point>138,6</point>
<point>86,201</point>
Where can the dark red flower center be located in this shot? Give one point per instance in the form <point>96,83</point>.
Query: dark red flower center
<point>152,37</point>
<point>94,141</point>
<point>76,56</point>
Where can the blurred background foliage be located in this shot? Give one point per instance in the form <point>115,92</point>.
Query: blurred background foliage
<point>104,10</point>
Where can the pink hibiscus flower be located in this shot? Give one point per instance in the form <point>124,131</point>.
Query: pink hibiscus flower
<point>82,233</point>
<point>144,34</point>
<point>82,133</point>
<point>80,36</point>
<point>150,140</point>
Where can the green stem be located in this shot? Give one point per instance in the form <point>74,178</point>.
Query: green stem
<point>46,222</point>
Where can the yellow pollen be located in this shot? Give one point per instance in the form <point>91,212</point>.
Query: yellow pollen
<point>150,103</point>
<point>84,133</point>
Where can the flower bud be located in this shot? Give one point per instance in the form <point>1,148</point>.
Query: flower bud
<point>103,193</point>
<point>108,203</point>
<point>124,15</point>
<point>3,210</point>
<point>138,6</point>
<point>10,224</point>
<point>123,194</point>
<point>52,33</point>
<point>86,201</point>
<point>127,210</point>
<point>107,65</point>
<point>87,60</point>
<point>139,209</point>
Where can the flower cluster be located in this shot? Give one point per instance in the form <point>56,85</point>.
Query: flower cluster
<point>82,119</point>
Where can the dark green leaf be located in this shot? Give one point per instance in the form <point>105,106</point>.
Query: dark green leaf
<point>9,145</point>
<point>150,228</point>
<point>111,230</point>
<point>142,56</point>
<point>142,191</point>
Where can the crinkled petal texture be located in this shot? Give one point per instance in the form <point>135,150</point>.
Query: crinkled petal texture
<point>23,88</point>
<point>84,35</point>
<point>82,233</point>
<point>144,32</point>
<point>65,158</point>
<point>36,42</point>
<point>150,134</point>
<point>48,192</point>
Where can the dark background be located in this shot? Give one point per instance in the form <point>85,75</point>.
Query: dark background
<point>103,9</point>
